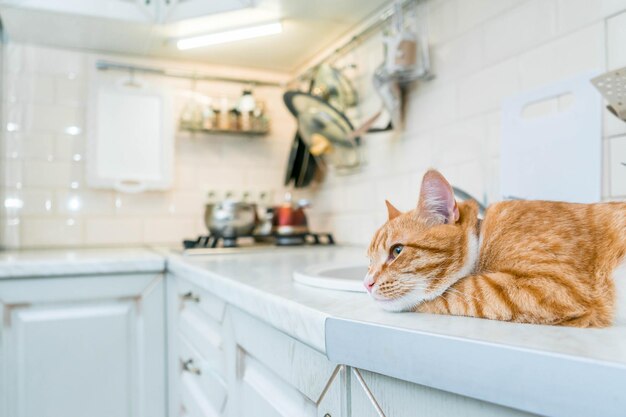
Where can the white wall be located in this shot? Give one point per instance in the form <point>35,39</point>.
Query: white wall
<point>483,51</point>
<point>47,91</point>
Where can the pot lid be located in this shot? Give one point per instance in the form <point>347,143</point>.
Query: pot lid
<point>332,86</point>
<point>324,129</point>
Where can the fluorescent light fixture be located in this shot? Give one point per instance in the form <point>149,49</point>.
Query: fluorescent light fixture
<point>230,36</point>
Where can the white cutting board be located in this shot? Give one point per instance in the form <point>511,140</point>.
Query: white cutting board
<point>130,135</point>
<point>556,155</point>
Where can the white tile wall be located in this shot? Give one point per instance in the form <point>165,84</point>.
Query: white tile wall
<point>483,51</point>
<point>43,162</point>
<point>617,162</point>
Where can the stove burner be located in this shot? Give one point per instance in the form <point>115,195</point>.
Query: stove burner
<point>213,241</point>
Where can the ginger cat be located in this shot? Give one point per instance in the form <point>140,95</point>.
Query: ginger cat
<point>527,261</point>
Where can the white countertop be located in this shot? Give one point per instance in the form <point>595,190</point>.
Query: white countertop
<point>58,262</point>
<point>261,283</point>
<point>548,370</point>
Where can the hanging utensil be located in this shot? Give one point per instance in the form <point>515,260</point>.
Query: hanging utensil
<point>324,129</point>
<point>332,86</point>
<point>291,162</point>
<point>390,93</point>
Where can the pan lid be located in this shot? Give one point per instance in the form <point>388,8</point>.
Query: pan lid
<point>318,122</point>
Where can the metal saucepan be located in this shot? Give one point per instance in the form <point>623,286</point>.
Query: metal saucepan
<point>230,219</point>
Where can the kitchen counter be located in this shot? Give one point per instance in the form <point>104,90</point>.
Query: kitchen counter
<point>61,262</point>
<point>261,283</point>
<point>548,370</point>
<point>544,369</point>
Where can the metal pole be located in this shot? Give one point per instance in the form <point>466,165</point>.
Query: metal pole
<point>103,65</point>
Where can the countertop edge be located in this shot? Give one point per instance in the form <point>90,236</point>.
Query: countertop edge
<point>75,263</point>
<point>541,382</point>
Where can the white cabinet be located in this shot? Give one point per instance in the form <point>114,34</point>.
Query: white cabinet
<point>172,10</point>
<point>224,362</point>
<point>145,11</point>
<point>278,376</point>
<point>134,10</point>
<point>83,346</point>
<point>197,362</point>
<point>404,399</point>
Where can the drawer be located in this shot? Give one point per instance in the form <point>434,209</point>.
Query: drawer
<point>204,335</point>
<point>191,296</point>
<point>618,166</point>
<point>267,355</point>
<point>203,390</point>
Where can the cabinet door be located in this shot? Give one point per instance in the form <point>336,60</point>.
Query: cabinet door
<point>172,10</point>
<point>133,10</point>
<point>404,399</point>
<point>85,346</point>
<point>275,375</point>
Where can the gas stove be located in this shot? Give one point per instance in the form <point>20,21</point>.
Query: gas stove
<point>213,244</point>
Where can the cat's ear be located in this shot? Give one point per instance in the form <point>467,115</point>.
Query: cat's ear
<point>392,211</point>
<point>436,203</point>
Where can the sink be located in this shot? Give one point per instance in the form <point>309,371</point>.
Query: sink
<point>334,276</point>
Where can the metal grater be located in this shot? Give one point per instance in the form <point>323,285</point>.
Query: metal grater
<point>612,86</point>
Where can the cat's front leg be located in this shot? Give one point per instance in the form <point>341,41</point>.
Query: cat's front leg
<point>502,296</point>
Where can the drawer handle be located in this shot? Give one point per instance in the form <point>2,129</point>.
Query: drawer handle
<point>190,296</point>
<point>624,163</point>
<point>188,366</point>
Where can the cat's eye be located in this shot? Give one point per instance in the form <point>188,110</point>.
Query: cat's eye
<point>395,251</point>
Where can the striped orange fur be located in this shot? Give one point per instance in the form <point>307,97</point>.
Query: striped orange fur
<point>527,261</point>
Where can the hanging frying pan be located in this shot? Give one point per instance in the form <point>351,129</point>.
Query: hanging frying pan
<point>323,127</point>
<point>291,163</point>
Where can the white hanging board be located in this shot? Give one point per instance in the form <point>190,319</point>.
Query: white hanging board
<point>556,155</point>
<point>131,137</point>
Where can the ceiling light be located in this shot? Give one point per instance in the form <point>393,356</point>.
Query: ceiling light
<point>230,36</point>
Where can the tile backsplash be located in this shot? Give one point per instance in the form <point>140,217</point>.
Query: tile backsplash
<point>47,202</point>
<point>482,51</point>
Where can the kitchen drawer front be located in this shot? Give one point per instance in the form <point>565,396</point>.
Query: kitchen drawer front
<point>196,329</point>
<point>204,335</point>
<point>399,398</point>
<point>266,354</point>
<point>203,390</point>
<point>618,166</point>
<point>192,296</point>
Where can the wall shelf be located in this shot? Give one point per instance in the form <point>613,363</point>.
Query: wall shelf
<point>227,132</point>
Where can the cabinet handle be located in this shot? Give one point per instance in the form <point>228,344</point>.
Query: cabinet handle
<point>624,163</point>
<point>189,296</point>
<point>188,366</point>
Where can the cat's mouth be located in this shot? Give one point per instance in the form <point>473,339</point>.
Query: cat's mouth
<point>381,298</point>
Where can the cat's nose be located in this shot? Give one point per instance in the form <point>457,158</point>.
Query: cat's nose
<point>369,282</point>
